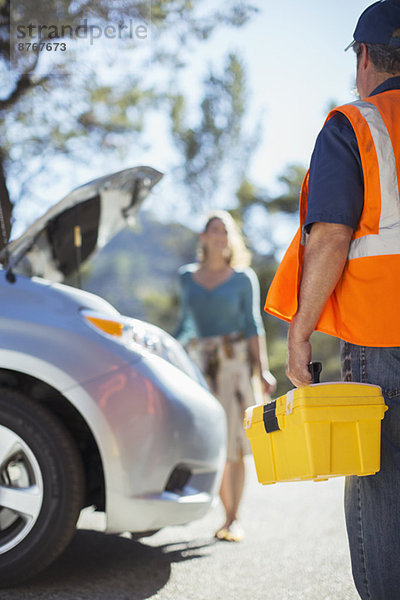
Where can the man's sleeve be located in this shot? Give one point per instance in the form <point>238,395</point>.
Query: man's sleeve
<point>336,182</point>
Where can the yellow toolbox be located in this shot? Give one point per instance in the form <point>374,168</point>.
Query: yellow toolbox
<point>316,432</point>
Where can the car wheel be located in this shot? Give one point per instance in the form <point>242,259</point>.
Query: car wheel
<point>41,487</point>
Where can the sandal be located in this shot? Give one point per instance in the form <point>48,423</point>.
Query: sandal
<point>232,533</point>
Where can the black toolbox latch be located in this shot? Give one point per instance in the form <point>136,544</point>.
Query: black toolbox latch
<point>269,417</point>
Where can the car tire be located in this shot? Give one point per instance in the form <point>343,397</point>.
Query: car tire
<point>41,487</point>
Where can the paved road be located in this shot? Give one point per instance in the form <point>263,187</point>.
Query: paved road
<point>295,548</point>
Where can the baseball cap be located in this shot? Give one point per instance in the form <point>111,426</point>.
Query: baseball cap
<point>377,23</point>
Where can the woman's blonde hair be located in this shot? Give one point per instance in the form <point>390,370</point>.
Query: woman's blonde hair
<point>238,254</point>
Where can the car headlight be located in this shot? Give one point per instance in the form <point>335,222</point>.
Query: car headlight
<point>105,324</point>
<point>131,332</point>
<point>125,330</point>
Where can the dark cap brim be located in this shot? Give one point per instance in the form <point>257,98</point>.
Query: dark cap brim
<point>350,45</point>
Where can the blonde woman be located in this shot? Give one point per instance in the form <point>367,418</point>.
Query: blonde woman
<point>222,329</point>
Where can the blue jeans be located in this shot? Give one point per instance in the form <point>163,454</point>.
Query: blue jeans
<point>372,503</point>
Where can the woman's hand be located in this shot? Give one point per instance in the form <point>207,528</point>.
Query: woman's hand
<point>268,382</point>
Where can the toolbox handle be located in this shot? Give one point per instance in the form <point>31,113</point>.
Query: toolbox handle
<point>315,369</point>
<point>269,412</point>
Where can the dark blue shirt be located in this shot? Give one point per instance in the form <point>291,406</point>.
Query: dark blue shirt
<point>336,183</point>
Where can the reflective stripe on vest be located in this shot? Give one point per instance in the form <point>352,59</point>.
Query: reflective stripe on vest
<point>388,239</point>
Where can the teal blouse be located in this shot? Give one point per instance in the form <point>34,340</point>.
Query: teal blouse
<point>232,306</point>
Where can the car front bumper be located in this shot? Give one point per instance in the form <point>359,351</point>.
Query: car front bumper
<point>162,440</point>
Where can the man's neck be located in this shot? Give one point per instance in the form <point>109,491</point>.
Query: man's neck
<point>377,78</point>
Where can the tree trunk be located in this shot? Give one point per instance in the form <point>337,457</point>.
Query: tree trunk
<point>6,206</point>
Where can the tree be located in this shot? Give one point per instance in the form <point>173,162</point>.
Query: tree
<point>76,109</point>
<point>249,195</point>
<point>288,202</point>
<point>216,142</point>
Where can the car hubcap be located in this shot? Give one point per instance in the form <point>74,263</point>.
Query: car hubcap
<point>21,489</point>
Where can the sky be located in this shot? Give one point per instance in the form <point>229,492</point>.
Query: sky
<point>296,68</point>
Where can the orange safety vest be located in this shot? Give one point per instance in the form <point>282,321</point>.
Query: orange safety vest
<point>364,308</point>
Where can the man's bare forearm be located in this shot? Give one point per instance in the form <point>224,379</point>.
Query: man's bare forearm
<point>325,257</point>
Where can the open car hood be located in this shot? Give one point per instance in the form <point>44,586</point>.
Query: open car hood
<point>57,243</point>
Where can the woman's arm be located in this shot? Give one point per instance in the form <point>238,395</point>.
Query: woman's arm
<point>254,331</point>
<point>185,329</point>
<point>259,359</point>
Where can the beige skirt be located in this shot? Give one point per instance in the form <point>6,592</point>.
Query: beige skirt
<point>224,362</point>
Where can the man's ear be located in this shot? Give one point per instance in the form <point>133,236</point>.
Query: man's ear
<point>364,57</point>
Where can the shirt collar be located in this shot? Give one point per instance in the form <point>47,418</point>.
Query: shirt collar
<point>393,83</point>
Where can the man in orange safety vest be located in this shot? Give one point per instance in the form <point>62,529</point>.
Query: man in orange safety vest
<point>341,275</point>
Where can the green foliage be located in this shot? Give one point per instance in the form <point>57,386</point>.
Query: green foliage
<point>161,308</point>
<point>216,142</point>
<point>248,194</point>
<point>277,350</point>
<point>288,202</point>
<point>326,349</point>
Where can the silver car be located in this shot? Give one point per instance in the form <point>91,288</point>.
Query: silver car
<point>96,409</point>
